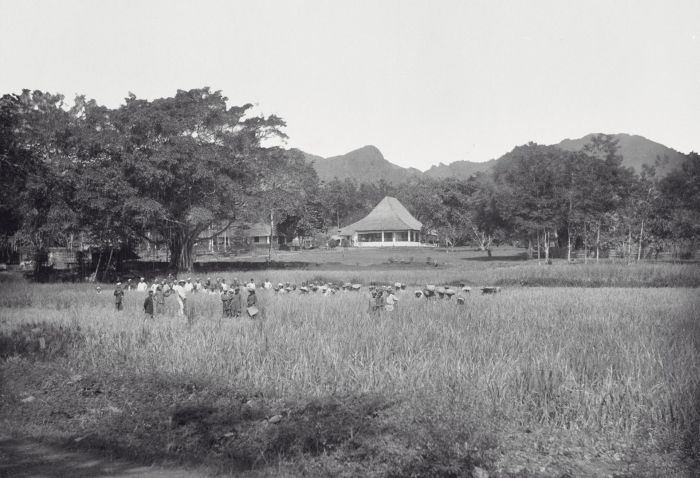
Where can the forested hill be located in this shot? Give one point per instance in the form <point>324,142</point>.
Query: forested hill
<point>368,165</point>
<point>636,151</point>
<point>365,165</point>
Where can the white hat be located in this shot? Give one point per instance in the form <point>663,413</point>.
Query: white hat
<point>119,283</point>
<point>431,288</point>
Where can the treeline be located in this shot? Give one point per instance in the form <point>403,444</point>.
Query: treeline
<point>172,170</point>
<point>542,196</point>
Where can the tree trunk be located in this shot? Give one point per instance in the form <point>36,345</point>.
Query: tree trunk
<point>181,257</point>
<point>568,243</point>
<point>597,243</point>
<point>546,247</point>
<point>585,243</point>
<point>529,247</point>
<point>272,233</point>
<point>641,232</point>
<point>538,246</point>
<point>109,261</point>
<point>629,243</point>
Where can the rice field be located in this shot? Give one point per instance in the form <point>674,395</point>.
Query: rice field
<point>621,362</point>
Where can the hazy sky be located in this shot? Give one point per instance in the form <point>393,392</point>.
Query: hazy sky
<point>424,81</point>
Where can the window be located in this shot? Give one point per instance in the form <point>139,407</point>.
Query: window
<point>401,236</point>
<point>370,237</point>
<point>388,237</point>
<point>256,239</point>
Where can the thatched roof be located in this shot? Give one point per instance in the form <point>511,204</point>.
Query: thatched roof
<point>388,215</point>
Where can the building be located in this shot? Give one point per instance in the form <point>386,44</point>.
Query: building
<point>389,224</point>
<point>259,235</point>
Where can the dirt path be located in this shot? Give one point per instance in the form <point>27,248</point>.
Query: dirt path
<point>23,458</point>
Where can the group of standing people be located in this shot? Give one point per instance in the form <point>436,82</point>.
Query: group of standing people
<point>154,303</point>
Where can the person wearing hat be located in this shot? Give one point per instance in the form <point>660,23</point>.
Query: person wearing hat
<point>251,302</point>
<point>226,303</point>
<point>129,285</point>
<point>148,304</point>
<point>142,286</point>
<point>181,295</point>
<point>429,292</point>
<point>189,285</point>
<point>449,293</point>
<point>98,289</point>
<point>376,302</point>
<point>391,300</point>
<point>440,292</point>
<point>418,294</point>
<point>460,300</point>
<point>118,296</point>
<point>267,284</point>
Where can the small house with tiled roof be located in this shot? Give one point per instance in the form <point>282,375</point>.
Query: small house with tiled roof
<point>389,224</point>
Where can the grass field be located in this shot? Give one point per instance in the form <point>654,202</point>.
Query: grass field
<point>601,379</point>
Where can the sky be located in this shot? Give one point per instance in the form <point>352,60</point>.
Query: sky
<point>424,81</point>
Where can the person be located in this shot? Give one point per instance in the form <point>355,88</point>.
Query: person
<point>181,295</point>
<point>378,301</point>
<point>252,299</point>
<point>267,284</point>
<point>129,285</point>
<point>188,285</point>
<point>224,285</point>
<point>118,296</point>
<point>160,296</point>
<point>391,300</point>
<point>197,285</point>
<point>252,303</point>
<point>148,304</point>
<point>142,286</point>
<point>226,302</point>
<point>236,305</point>
<point>251,284</point>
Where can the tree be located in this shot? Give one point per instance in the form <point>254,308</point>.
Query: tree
<point>180,166</point>
<point>36,154</point>
<point>284,184</point>
<point>530,179</point>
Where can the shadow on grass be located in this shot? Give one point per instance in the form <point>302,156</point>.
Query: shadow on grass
<point>185,421</point>
<point>32,458</point>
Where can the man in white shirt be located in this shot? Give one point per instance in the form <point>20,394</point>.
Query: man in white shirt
<point>181,294</point>
<point>267,284</point>
<point>188,285</point>
<point>390,301</point>
<point>142,286</point>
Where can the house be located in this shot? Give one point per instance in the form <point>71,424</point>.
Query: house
<point>259,235</point>
<point>389,224</point>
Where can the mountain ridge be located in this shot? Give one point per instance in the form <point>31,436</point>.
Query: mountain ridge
<point>368,164</point>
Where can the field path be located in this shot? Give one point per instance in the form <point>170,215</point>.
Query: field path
<point>23,458</point>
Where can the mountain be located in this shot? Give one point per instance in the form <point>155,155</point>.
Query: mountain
<point>636,151</point>
<point>459,169</point>
<point>365,165</point>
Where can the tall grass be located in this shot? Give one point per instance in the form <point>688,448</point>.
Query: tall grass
<point>625,361</point>
<point>561,274</point>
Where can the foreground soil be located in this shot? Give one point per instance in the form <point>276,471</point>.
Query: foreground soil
<point>59,421</point>
<point>25,457</point>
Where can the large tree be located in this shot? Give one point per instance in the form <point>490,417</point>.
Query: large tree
<point>181,166</point>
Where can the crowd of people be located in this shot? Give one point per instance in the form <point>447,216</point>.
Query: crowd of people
<point>240,298</point>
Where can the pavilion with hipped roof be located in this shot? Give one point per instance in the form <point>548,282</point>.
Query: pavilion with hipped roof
<point>389,224</point>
